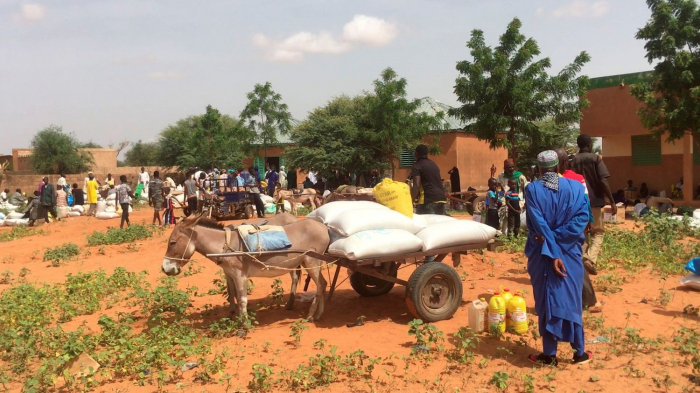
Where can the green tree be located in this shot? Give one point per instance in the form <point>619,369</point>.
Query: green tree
<point>550,136</point>
<point>266,115</point>
<point>332,139</point>
<point>206,141</point>
<point>672,99</point>
<point>506,91</point>
<point>57,152</point>
<point>90,145</point>
<point>142,154</point>
<point>392,123</point>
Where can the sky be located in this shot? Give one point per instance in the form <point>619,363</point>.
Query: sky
<point>114,70</point>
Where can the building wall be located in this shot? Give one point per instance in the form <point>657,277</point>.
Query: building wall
<point>658,177</point>
<point>104,159</point>
<point>612,111</point>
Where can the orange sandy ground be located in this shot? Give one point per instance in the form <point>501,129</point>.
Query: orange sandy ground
<point>385,330</point>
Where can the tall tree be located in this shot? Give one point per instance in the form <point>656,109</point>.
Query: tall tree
<point>505,91</point>
<point>672,99</point>
<point>142,154</point>
<point>57,152</point>
<point>332,139</point>
<point>90,145</point>
<point>266,115</point>
<point>206,141</point>
<point>550,136</point>
<point>393,123</point>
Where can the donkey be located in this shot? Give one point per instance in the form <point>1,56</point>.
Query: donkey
<point>207,237</point>
<point>307,195</point>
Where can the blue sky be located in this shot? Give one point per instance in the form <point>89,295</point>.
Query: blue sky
<point>113,70</point>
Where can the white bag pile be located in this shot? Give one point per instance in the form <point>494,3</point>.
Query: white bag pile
<point>266,199</point>
<point>106,215</point>
<point>16,222</point>
<point>363,229</point>
<point>14,215</point>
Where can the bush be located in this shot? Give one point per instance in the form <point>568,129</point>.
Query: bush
<point>19,232</point>
<point>121,235</point>
<point>61,253</point>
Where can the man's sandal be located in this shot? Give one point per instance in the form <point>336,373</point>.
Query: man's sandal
<point>543,360</point>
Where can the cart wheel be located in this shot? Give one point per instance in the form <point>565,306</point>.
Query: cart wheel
<point>249,212</point>
<point>369,286</point>
<point>434,292</point>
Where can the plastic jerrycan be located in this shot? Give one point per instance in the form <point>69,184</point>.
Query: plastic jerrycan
<point>517,310</point>
<point>506,295</point>
<point>477,316</point>
<point>497,313</point>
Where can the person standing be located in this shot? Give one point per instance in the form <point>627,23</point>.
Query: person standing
<point>557,215</point>
<point>493,203</point>
<point>190,194</point>
<point>61,197</point>
<point>61,183</point>
<point>78,195</point>
<point>155,196</point>
<point>109,180</point>
<point>91,190</point>
<point>593,169</point>
<point>123,193</point>
<point>283,178</point>
<point>272,179</point>
<point>251,182</point>
<point>509,173</point>
<point>48,200</point>
<point>426,174</point>
<point>455,185</point>
<point>144,181</point>
<point>168,216</point>
<point>514,210</point>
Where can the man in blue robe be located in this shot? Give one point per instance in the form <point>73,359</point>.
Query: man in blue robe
<point>557,215</point>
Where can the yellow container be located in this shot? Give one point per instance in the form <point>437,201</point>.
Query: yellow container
<point>395,195</point>
<point>497,313</point>
<point>517,313</point>
<point>506,295</point>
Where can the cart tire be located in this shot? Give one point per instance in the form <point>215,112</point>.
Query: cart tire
<point>434,292</point>
<point>249,212</point>
<point>470,204</point>
<point>369,286</point>
<point>475,205</point>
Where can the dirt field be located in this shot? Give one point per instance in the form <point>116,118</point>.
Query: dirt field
<point>630,362</point>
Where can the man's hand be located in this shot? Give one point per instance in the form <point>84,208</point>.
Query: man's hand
<point>613,208</point>
<point>559,267</point>
<point>539,239</point>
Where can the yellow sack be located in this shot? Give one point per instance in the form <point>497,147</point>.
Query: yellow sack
<point>394,195</point>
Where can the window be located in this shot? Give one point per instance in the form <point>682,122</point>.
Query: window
<point>406,158</point>
<point>646,150</point>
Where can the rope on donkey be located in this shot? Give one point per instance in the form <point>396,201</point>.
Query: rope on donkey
<point>268,267</point>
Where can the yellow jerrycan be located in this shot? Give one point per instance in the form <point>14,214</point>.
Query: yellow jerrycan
<point>517,311</point>
<point>497,313</point>
<point>506,295</point>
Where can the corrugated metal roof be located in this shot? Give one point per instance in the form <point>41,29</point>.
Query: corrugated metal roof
<point>616,80</point>
<point>433,107</point>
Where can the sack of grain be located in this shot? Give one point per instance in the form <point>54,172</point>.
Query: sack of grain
<point>73,214</point>
<point>16,222</point>
<point>691,280</point>
<point>266,199</point>
<point>101,206</point>
<point>106,215</point>
<point>454,233</point>
<point>110,209</point>
<point>395,195</point>
<point>14,215</point>
<point>374,243</point>
<point>78,208</point>
<point>330,211</point>
<point>431,219</point>
<point>63,211</point>
<point>350,222</point>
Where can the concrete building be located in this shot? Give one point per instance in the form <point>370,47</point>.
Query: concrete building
<point>629,150</point>
<point>105,159</point>
<point>474,158</point>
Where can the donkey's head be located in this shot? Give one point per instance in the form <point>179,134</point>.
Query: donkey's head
<point>180,246</point>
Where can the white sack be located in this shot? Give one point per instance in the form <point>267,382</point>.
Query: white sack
<point>455,233</point>
<point>180,198</point>
<point>179,188</point>
<point>2,216</point>
<point>375,243</point>
<point>523,222</point>
<point>110,209</point>
<point>434,218</point>
<point>691,280</point>
<point>73,214</point>
<point>16,222</point>
<point>696,214</point>
<point>106,215</point>
<point>2,222</point>
<point>111,197</point>
<point>101,206</point>
<point>331,210</point>
<point>352,221</point>
<point>63,211</point>
<point>78,208</point>
<point>14,215</point>
<point>266,199</point>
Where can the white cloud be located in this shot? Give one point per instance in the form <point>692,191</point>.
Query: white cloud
<point>540,11</point>
<point>30,13</point>
<point>361,30</point>
<point>582,9</point>
<point>135,60</point>
<point>165,75</point>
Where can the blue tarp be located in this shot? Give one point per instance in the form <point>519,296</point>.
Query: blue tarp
<point>693,265</point>
<point>269,241</point>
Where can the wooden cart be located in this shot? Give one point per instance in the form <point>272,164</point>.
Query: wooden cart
<point>433,291</point>
<point>229,205</point>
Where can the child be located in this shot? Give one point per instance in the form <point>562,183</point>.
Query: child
<point>514,211</point>
<point>123,195</point>
<point>168,217</point>
<point>492,205</point>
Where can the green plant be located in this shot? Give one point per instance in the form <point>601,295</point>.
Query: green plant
<point>61,253</point>
<point>296,329</point>
<point>513,244</point>
<point>465,341</point>
<point>499,379</point>
<point>262,378</point>
<point>277,294</point>
<point>249,287</point>
<point>6,277</point>
<point>191,270</point>
<point>130,234</point>
<point>19,232</point>
<point>426,335</point>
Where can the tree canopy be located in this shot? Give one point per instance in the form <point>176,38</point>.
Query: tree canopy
<point>506,91</point>
<point>142,154</point>
<point>266,115</point>
<point>207,141</point>
<point>672,99</point>
<point>57,152</point>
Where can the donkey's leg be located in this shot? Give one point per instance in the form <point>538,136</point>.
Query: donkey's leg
<point>296,273</point>
<point>239,279</point>
<point>232,301</point>
<point>314,270</point>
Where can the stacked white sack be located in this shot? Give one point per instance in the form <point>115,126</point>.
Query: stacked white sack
<point>375,243</point>
<point>328,212</point>
<point>455,233</point>
<point>353,221</point>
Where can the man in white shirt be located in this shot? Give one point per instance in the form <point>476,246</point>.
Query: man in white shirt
<point>61,183</point>
<point>145,180</point>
